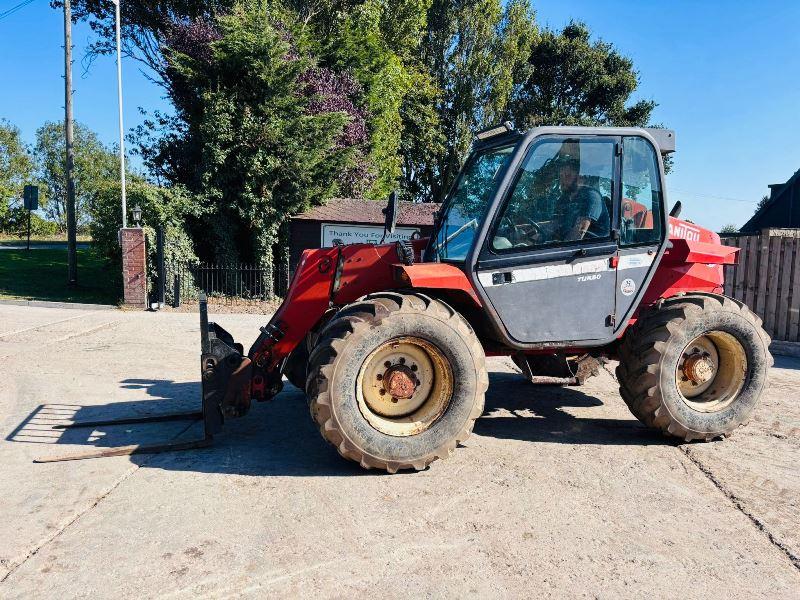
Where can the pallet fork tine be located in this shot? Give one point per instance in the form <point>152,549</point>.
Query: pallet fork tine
<point>219,357</point>
<point>129,450</point>
<point>197,415</point>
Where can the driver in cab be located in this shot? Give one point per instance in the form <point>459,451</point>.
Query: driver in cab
<point>578,212</point>
<point>580,209</point>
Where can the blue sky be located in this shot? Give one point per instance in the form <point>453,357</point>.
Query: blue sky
<point>726,76</point>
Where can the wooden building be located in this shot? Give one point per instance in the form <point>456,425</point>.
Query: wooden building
<point>349,220</point>
<point>781,210</point>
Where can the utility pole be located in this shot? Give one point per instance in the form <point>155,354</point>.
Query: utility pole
<point>121,128</point>
<point>72,254</point>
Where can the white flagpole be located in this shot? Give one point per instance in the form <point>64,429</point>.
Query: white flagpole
<point>121,127</point>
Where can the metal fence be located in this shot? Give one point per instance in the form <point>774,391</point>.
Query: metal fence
<point>767,279</point>
<point>229,283</point>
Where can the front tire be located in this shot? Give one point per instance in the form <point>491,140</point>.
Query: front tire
<point>696,367</point>
<point>396,381</point>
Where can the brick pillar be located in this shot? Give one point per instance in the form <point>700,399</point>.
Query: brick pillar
<point>134,267</point>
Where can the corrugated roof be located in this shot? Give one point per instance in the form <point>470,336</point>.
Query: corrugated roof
<point>351,210</point>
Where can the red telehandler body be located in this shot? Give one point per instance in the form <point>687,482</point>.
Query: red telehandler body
<point>553,247</point>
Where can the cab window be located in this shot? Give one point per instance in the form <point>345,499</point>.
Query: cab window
<point>562,195</point>
<point>466,207</point>
<point>641,212</point>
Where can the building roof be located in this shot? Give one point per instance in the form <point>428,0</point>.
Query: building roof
<point>780,192</point>
<point>351,210</point>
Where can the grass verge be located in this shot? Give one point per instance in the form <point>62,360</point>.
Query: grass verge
<point>41,274</point>
<point>8,239</point>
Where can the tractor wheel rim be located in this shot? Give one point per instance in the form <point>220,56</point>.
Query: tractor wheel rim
<point>404,386</point>
<point>711,371</point>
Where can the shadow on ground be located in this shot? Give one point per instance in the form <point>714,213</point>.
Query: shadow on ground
<point>786,362</point>
<point>519,410</point>
<point>41,426</point>
<point>279,438</point>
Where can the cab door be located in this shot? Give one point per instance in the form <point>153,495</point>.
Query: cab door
<point>642,221</point>
<point>548,263</point>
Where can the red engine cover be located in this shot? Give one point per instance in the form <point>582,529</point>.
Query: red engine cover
<point>692,264</point>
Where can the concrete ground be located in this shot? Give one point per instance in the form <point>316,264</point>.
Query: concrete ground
<point>559,492</point>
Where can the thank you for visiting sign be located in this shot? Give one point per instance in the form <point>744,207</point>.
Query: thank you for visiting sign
<point>361,234</point>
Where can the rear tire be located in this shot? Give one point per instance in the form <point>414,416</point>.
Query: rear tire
<point>695,368</point>
<point>372,351</point>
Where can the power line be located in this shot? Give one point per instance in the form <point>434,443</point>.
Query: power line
<point>14,9</point>
<point>699,195</point>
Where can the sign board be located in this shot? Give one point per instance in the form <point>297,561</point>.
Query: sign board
<point>361,234</point>
<point>30,197</point>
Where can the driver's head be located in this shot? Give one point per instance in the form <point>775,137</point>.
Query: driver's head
<point>568,174</point>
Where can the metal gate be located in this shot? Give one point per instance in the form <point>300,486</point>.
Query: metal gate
<point>180,282</point>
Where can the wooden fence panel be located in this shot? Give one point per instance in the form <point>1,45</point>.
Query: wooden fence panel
<point>767,279</point>
<point>772,278</point>
<point>785,291</point>
<point>760,297</point>
<point>794,300</point>
<point>751,283</point>
<point>741,268</point>
<point>729,271</point>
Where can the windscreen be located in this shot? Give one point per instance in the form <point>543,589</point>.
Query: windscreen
<point>467,205</point>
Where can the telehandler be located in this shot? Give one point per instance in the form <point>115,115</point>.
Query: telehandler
<point>554,247</point>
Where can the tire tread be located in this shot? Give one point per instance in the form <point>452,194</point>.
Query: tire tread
<point>644,345</point>
<point>369,313</point>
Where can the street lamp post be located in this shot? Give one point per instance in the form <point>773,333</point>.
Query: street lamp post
<point>121,128</point>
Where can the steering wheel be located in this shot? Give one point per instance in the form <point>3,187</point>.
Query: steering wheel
<point>590,235</point>
<point>506,220</point>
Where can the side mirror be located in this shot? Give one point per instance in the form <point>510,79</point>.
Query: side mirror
<point>390,213</point>
<point>676,210</point>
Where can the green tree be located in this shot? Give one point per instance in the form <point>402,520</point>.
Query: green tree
<point>571,80</point>
<point>377,41</point>
<point>168,207</point>
<point>16,170</point>
<point>475,50</point>
<point>729,228</point>
<point>146,25</point>
<point>94,165</point>
<point>492,63</point>
<point>432,73</point>
<point>262,132</point>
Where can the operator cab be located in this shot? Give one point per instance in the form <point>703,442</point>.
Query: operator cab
<point>558,229</point>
